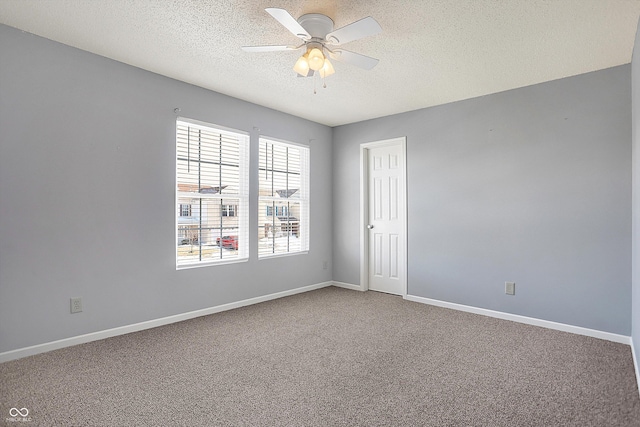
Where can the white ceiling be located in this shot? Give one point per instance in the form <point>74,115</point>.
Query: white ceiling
<point>431,52</point>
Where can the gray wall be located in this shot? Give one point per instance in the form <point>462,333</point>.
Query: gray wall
<point>635,307</point>
<point>531,185</point>
<point>87,195</point>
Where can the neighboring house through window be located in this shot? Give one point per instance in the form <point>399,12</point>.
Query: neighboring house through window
<point>212,194</point>
<point>283,198</point>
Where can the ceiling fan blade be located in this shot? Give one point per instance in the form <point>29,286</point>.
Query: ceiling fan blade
<point>354,31</point>
<point>353,58</point>
<point>289,22</point>
<point>267,48</point>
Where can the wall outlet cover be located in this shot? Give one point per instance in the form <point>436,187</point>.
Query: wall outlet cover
<point>510,288</point>
<point>76,305</point>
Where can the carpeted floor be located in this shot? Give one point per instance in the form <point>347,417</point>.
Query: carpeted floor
<point>330,357</point>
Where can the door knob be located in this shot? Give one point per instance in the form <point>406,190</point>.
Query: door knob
<point>370,226</point>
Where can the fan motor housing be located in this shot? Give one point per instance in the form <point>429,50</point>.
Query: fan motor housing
<point>316,24</point>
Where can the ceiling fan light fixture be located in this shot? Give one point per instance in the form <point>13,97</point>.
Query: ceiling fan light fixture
<point>316,32</point>
<point>316,59</point>
<point>327,69</point>
<point>302,66</point>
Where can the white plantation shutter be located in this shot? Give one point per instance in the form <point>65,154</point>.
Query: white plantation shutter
<point>212,179</point>
<point>283,199</point>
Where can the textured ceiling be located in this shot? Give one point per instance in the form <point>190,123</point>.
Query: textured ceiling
<point>431,52</point>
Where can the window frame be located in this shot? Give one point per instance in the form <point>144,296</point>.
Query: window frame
<point>303,226</point>
<point>239,201</point>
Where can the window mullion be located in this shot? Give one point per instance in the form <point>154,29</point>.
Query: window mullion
<point>200,200</point>
<point>220,231</point>
<point>273,227</point>
<point>286,191</point>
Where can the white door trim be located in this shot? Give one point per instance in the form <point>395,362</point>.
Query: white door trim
<point>364,209</point>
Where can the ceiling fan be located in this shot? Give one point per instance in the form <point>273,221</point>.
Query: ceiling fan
<point>318,40</point>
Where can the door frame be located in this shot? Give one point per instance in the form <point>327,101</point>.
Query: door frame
<point>364,209</point>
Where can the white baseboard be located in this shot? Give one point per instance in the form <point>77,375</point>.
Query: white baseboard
<point>623,339</point>
<point>347,286</point>
<point>635,364</point>
<point>94,336</point>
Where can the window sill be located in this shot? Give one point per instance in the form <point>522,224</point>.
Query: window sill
<point>261,257</point>
<point>210,263</point>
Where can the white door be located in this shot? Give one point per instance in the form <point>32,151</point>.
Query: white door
<point>386,227</point>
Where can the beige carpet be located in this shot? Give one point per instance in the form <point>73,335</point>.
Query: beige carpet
<point>330,357</point>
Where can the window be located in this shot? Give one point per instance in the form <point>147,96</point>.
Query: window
<point>279,210</point>
<point>212,194</point>
<point>229,210</point>
<point>283,199</point>
<point>185,210</point>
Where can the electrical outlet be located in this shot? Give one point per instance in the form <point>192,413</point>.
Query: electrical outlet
<point>510,288</point>
<point>325,265</point>
<point>76,305</point>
